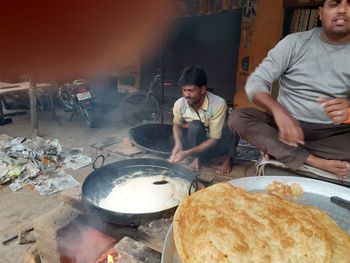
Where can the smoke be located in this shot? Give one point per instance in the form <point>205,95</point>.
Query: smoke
<point>56,39</point>
<point>81,243</point>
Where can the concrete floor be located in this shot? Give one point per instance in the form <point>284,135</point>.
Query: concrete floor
<point>25,205</point>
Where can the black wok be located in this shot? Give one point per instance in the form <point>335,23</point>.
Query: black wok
<point>156,138</point>
<point>100,183</point>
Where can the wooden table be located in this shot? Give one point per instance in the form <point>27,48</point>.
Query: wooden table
<point>31,86</point>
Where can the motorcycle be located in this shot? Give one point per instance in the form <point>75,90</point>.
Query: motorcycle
<point>76,98</point>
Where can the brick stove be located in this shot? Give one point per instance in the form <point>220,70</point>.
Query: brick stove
<point>72,234</point>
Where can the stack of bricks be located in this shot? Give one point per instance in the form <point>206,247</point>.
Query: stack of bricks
<point>68,224</point>
<point>47,228</point>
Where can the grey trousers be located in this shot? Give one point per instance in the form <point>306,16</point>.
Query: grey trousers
<point>328,141</point>
<point>195,134</point>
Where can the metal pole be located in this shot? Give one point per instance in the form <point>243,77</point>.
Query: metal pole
<point>33,112</point>
<point>162,77</point>
<point>162,71</point>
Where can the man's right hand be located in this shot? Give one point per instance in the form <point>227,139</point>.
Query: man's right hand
<point>177,149</point>
<point>289,128</point>
<point>179,157</point>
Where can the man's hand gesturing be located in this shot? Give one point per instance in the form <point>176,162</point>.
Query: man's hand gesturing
<point>336,109</point>
<point>289,129</point>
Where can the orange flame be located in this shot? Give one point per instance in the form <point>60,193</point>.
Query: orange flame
<point>110,258</point>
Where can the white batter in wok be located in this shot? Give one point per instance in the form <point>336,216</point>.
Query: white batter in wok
<point>141,195</point>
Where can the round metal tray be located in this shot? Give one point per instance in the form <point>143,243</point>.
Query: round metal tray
<point>316,193</point>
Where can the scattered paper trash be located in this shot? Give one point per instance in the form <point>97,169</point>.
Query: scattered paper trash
<point>77,162</point>
<point>53,185</point>
<point>39,162</point>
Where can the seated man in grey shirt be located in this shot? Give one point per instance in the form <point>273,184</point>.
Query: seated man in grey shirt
<point>309,121</point>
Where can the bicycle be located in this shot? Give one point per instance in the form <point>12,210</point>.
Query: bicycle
<point>142,106</point>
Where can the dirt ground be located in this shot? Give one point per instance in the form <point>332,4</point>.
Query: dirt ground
<point>23,206</point>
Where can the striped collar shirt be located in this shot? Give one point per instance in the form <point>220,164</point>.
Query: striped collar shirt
<point>212,114</point>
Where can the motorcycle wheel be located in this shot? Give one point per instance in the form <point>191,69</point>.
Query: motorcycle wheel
<point>87,114</point>
<point>65,100</point>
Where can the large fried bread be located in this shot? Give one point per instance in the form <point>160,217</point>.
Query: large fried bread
<point>223,223</point>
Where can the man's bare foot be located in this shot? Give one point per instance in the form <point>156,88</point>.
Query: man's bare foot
<point>226,166</point>
<point>340,168</point>
<point>265,156</point>
<point>195,165</point>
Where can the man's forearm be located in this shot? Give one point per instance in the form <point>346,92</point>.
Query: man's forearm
<point>267,102</point>
<point>204,146</point>
<point>177,134</point>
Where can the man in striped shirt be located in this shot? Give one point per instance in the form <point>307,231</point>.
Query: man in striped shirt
<point>199,118</point>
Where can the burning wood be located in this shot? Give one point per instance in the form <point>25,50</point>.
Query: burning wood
<point>110,256</point>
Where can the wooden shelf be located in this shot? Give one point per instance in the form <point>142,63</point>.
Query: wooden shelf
<point>300,15</point>
<point>302,3</point>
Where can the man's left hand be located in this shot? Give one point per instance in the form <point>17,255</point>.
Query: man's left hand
<point>178,157</point>
<point>336,109</point>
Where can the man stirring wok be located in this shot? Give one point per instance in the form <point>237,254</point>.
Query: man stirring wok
<point>309,121</point>
<point>199,127</point>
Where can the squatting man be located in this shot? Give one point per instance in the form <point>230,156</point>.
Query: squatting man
<point>199,124</point>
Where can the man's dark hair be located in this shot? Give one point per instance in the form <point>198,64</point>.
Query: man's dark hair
<point>193,75</point>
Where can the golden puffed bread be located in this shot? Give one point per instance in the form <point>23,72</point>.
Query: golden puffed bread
<point>223,223</point>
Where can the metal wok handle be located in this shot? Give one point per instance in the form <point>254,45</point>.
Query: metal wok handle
<point>101,156</point>
<point>193,184</point>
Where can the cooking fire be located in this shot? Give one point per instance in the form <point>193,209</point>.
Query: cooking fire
<point>110,256</point>
<point>80,242</point>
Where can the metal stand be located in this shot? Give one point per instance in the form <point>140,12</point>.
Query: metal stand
<point>33,110</point>
<point>53,106</point>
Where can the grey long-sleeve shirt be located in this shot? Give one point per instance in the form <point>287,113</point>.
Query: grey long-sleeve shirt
<point>308,68</point>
